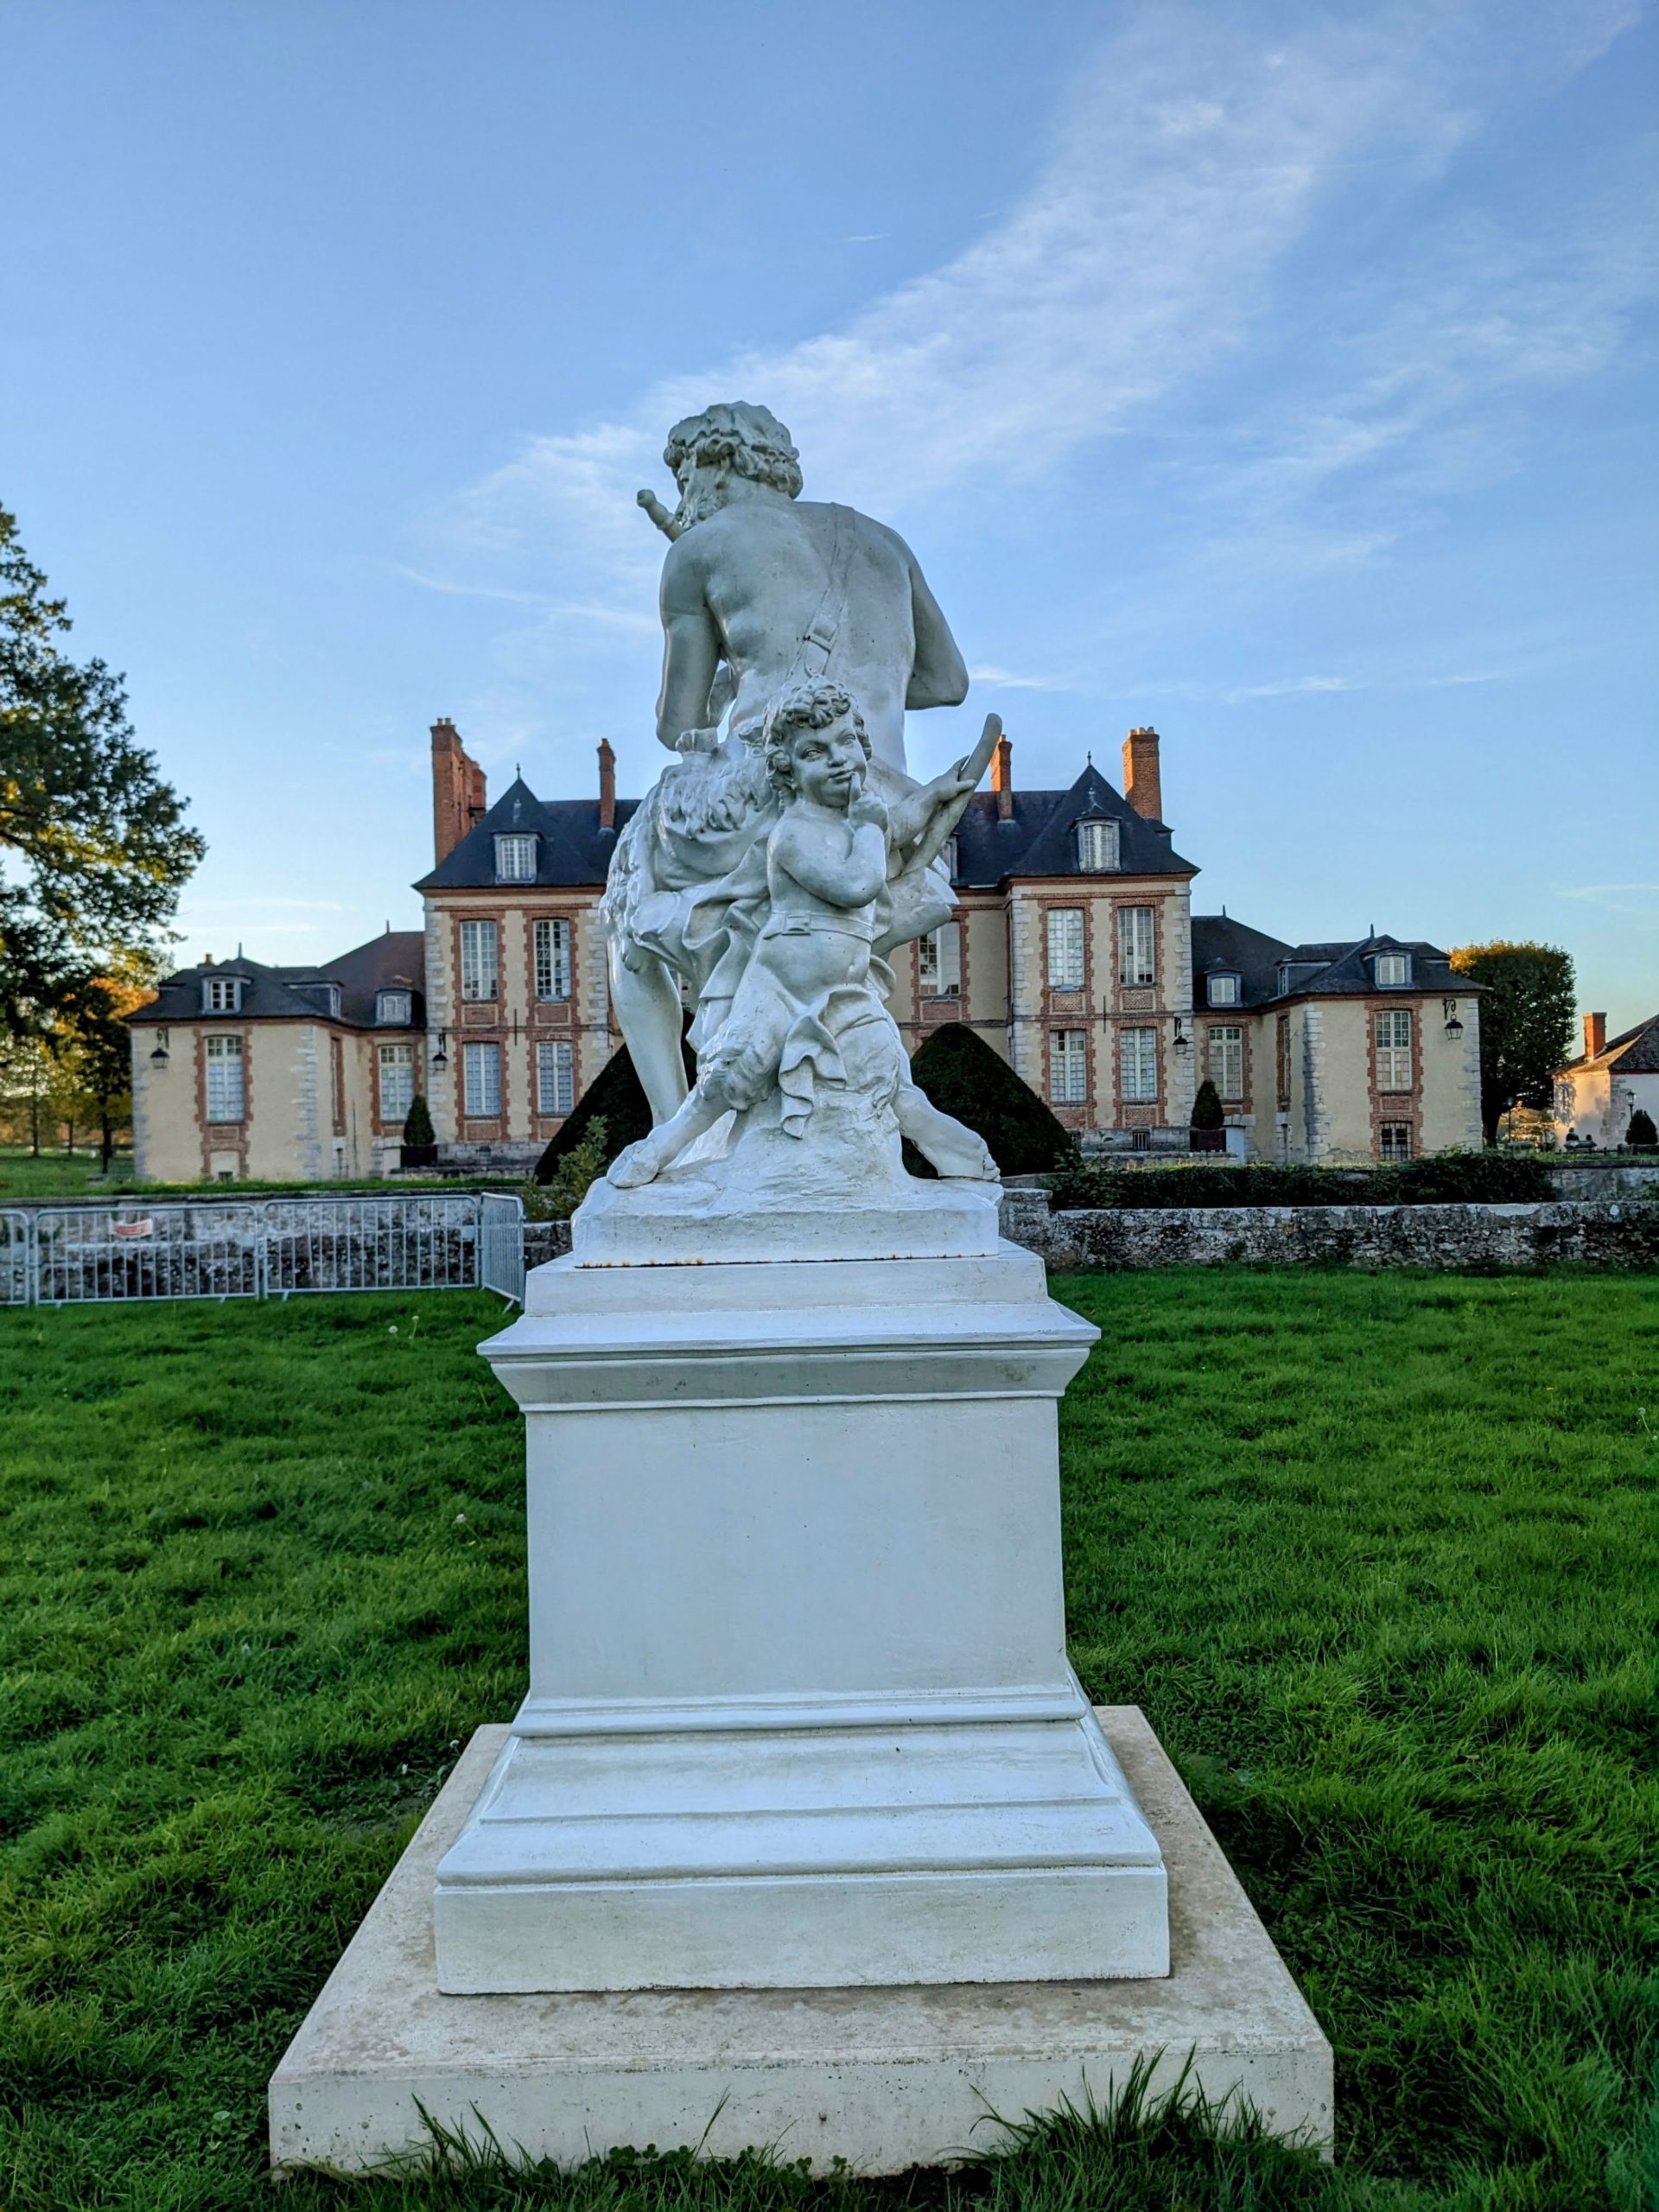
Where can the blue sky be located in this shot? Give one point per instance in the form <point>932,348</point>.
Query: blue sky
<point>1280,375</point>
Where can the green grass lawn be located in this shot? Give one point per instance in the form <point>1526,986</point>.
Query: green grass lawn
<point>59,1174</point>
<point>1373,1552</point>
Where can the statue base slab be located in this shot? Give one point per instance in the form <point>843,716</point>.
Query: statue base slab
<point>886,2078</point>
<point>691,1216</point>
<point>800,1709</point>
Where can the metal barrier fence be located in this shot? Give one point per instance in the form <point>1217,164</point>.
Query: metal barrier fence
<point>501,1245</point>
<point>261,1248</point>
<point>14,1257</point>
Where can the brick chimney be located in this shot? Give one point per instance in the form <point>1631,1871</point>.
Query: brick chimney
<point>607,785</point>
<point>1142,786</point>
<point>1595,1035</point>
<point>1002,778</point>
<point>458,789</point>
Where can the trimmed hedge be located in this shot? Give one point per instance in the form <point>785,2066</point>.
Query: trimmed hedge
<point>960,1074</point>
<point>1206,1108</point>
<point>1447,1179</point>
<point>418,1123</point>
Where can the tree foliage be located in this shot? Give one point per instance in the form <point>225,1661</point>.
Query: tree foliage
<point>1527,1012</point>
<point>95,843</point>
<point>77,1072</point>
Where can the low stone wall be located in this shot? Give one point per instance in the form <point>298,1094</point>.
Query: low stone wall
<point>1621,1179</point>
<point>544,1241</point>
<point>1615,1233</point>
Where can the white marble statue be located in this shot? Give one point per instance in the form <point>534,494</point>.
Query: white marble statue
<point>761,591</point>
<point>809,1007</point>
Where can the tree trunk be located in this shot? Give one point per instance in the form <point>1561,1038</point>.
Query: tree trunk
<point>107,1130</point>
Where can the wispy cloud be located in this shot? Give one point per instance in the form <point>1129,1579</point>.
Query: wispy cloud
<point>1636,899</point>
<point>1290,687</point>
<point>260,903</point>
<point>1004,679</point>
<point>1202,150</point>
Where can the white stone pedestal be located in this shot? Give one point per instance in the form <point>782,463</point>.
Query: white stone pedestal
<point>885,2078</point>
<point>799,1712</point>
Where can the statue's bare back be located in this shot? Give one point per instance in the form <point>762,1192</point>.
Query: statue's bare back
<point>788,591</point>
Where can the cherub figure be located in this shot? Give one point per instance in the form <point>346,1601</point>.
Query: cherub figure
<point>807,1011</point>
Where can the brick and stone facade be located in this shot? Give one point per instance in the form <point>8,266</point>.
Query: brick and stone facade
<point>1073,951</point>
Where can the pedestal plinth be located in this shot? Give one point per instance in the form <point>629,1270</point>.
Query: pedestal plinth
<point>799,1712</point>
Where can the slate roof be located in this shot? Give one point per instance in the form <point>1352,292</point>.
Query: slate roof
<point>571,848</point>
<point>1224,946</point>
<point>395,961</point>
<point>1634,1051</point>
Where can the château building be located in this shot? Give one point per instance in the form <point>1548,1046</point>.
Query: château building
<point>1073,952</point>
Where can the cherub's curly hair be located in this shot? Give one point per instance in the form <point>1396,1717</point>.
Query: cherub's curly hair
<point>737,435</point>
<point>805,706</point>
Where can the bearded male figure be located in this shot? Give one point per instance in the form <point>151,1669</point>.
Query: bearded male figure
<point>761,590</point>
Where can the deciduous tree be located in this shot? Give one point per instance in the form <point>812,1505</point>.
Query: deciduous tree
<point>1526,1022</point>
<point>94,848</point>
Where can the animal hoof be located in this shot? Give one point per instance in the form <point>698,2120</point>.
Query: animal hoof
<point>632,1168</point>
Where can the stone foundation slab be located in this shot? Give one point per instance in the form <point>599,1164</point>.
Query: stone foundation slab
<point>883,2078</point>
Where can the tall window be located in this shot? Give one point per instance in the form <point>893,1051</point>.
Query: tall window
<point>552,958</point>
<point>477,960</point>
<point>396,1081</point>
<point>556,1077</point>
<point>1393,1051</point>
<point>222,994</point>
<point>1396,1143</point>
<point>1068,1067</point>
<point>481,1073</point>
<point>515,860</point>
<point>1137,1054</point>
<point>1281,1043</point>
<point>1096,846</point>
<point>940,958</point>
<point>1136,962</point>
<point>225,1090</point>
<point>1226,1059</point>
<point>1065,948</point>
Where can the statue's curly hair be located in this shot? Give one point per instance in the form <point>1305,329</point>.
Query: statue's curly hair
<point>805,706</point>
<point>737,435</point>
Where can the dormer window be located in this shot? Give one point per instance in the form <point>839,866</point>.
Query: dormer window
<point>515,859</point>
<point>322,995</point>
<point>1224,990</point>
<point>1096,847</point>
<point>1393,971</point>
<point>221,994</point>
<point>393,1009</point>
<point>952,859</point>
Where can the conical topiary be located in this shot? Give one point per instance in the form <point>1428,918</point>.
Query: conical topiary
<point>1641,1135</point>
<point>960,1074</point>
<point>616,1097</point>
<point>418,1123</point>
<point>1206,1108</point>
